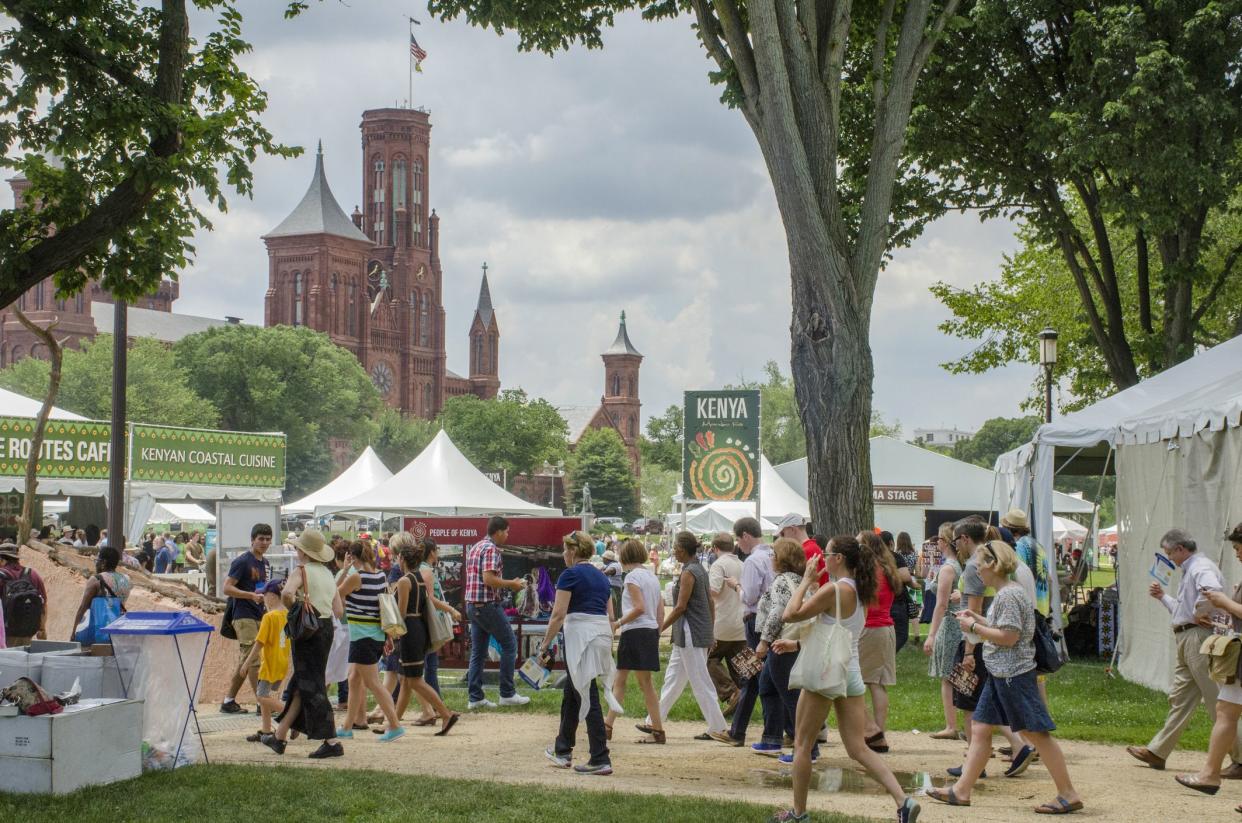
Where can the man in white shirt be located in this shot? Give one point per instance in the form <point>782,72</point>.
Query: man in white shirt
<point>724,579</point>
<point>1191,619</point>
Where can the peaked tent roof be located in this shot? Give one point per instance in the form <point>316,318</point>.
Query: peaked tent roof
<point>622,344</point>
<point>367,472</point>
<point>440,481</point>
<point>180,513</point>
<point>776,499</point>
<point>318,213</point>
<point>13,404</point>
<point>958,485</point>
<point>484,309</point>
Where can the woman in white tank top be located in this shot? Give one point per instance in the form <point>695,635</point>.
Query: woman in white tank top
<point>853,568</point>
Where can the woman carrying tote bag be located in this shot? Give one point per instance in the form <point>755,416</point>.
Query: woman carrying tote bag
<point>853,586</point>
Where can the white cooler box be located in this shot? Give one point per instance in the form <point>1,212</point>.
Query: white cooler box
<point>101,677</point>
<point>21,662</point>
<point>94,742</point>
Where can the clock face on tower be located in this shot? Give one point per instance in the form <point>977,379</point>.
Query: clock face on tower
<point>382,378</point>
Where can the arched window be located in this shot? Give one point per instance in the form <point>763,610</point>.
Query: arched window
<point>398,191</point>
<point>38,297</point>
<point>494,361</point>
<point>478,355</point>
<point>633,425</point>
<point>21,304</point>
<point>351,311</point>
<point>416,197</point>
<point>79,303</point>
<point>428,408</point>
<point>299,289</point>
<point>414,316</point>
<point>36,350</point>
<point>616,385</point>
<point>17,354</point>
<point>60,304</point>
<point>633,391</point>
<point>424,321</point>
<point>377,200</point>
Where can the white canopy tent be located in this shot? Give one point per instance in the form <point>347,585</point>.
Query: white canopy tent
<point>440,481</point>
<point>180,513</point>
<point>776,499</point>
<point>956,486</point>
<point>1178,459</point>
<point>1065,529</point>
<point>364,474</point>
<point>13,404</point>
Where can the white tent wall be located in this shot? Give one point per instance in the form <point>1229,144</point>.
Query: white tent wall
<point>1192,483</point>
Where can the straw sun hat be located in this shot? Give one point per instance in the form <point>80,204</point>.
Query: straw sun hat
<point>312,544</point>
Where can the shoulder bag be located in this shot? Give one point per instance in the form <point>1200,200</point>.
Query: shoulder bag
<point>105,607</point>
<point>391,621</point>
<point>302,621</point>
<point>824,658</point>
<point>1047,646</point>
<point>226,623</point>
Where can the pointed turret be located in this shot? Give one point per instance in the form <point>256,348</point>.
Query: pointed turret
<point>484,310</point>
<point>318,213</point>
<point>622,344</point>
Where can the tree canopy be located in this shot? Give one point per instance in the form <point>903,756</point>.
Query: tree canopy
<point>398,439</point>
<point>118,118</point>
<point>512,432</point>
<point>995,437</point>
<point>1112,130</point>
<point>284,379</point>
<point>661,447</point>
<point>600,460</point>
<point>157,390</point>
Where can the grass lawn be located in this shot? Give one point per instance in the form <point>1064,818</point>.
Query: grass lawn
<point>1087,704</point>
<point>229,793</point>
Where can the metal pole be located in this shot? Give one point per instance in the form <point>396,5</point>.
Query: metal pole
<point>116,454</point>
<point>1047,392</point>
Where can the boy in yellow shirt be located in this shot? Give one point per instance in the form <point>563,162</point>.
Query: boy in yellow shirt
<point>272,646</point>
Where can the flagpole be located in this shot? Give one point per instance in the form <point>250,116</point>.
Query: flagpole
<point>409,53</point>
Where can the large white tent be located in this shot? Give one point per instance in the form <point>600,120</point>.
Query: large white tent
<point>956,486</point>
<point>364,474</point>
<point>13,404</point>
<point>440,481</point>
<point>776,499</point>
<point>180,513</point>
<point>1177,438</point>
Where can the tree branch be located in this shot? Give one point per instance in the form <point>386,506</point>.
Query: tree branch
<point>739,44</point>
<point>1214,292</point>
<point>1143,265</point>
<point>26,521</point>
<point>879,51</point>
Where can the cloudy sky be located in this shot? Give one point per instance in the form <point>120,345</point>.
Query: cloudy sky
<point>590,183</point>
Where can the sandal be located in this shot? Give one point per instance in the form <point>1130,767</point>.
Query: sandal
<point>425,721</point>
<point>1059,806</point>
<point>656,736</point>
<point>448,724</point>
<point>1188,781</point>
<point>645,728</point>
<point>878,747</point>
<point>947,796</point>
<point>945,735</point>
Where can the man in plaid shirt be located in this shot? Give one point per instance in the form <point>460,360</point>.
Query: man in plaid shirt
<point>487,618</point>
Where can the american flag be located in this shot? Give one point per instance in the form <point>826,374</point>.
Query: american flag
<point>417,52</point>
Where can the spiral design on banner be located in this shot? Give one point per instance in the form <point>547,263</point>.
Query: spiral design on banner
<point>724,473</point>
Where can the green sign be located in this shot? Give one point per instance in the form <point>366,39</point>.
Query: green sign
<point>71,448</point>
<point>204,457</point>
<point>720,456</point>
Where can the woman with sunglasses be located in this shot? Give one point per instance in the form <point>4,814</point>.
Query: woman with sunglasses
<point>945,632</point>
<point>854,571</point>
<point>1010,697</point>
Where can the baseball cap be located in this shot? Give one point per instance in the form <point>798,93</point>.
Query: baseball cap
<point>790,520</point>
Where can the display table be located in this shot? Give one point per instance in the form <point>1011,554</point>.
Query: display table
<point>91,743</point>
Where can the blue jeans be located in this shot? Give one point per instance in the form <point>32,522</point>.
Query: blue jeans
<point>431,668</point>
<point>750,690</point>
<point>487,620</point>
<point>780,703</point>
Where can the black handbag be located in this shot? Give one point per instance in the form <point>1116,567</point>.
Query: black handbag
<point>1047,647</point>
<point>226,623</point>
<point>302,621</point>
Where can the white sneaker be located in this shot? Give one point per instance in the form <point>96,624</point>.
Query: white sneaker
<point>515,700</point>
<point>481,704</point>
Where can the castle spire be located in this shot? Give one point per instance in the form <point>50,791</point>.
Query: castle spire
<point>484,310</point>
<point>622,344</point>
<point>318,213</point>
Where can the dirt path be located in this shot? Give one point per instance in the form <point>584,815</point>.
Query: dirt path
<point>509,748</point>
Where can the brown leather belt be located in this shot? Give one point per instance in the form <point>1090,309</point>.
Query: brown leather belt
<point>1185,627</point>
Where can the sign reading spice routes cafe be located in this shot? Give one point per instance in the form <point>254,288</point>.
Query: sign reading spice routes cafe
<point>720,456</point>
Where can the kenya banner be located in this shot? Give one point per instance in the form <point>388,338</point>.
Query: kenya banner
<point>203,457</point>
<point>71,449</point>
<point>720,452</point>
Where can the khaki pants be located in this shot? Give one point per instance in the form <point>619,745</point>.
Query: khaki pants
<point>1191,685</point>
<point>720,667</point>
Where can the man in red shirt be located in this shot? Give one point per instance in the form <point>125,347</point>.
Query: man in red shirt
<point>11,570</point>
<point>794,526</point>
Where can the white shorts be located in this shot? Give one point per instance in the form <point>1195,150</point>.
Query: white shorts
<point>1231,693</point>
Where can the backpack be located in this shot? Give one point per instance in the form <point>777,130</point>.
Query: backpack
<point>23,607</point>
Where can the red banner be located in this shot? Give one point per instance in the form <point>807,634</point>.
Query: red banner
<point>464,531</point>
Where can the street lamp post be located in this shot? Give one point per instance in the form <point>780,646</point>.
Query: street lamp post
<point>1048,359</point>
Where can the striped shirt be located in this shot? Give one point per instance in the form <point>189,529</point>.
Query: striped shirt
<point>362,604</point>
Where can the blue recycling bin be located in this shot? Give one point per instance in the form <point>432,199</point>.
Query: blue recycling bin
<point>166,652</point>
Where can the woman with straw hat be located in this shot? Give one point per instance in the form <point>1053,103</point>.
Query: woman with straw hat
<point>308,710</point>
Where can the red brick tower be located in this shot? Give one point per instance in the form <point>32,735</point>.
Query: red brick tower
<point>621,403</point>
<point>485,345</point>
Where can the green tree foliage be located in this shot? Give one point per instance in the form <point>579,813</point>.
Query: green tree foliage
<point>882,428</point>
<point>601,461</point>
<point>658,487</point>
<point>125,125</point>
<point>1006,314</point>
<point>398,439</point>
<point>827,89</point>
<point>994,438</point>
<point>512,432</point>
<point>157,390</point>
<point>283,379</point>
<point>1113,130</point>
<point>662,445</point>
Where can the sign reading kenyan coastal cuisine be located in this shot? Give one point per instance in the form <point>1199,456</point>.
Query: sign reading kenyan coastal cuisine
<point>720,455</point>
<point>204,457</point>
<point>71,448</point>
